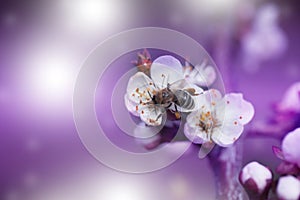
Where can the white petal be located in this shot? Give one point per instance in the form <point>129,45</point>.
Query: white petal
<point>205,75</point>
<point>236,109</point>
<point>213,95</point>
<point>288,188</point>
<point>169,61</point>
<point>205,149</point>
<point>131,106</point>
<point>187,70</point>
<point>210,75</point>
<point>291,147</point>
<point>259,173</point>
<point>164,70</point>
<point>227,134</point>
<point>193,131</point>
<point>208,101</point>
<point>152,115</point>
<point>193,119</point>
<point>195,135</point>
<point>138,87</point>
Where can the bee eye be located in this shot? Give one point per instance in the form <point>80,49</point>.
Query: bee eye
<point>164,94</point>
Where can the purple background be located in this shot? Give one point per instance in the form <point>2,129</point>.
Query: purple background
<point>42,47</point>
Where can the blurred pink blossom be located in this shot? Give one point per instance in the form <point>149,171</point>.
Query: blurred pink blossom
<point>291,147</point>
<point>291,99</point>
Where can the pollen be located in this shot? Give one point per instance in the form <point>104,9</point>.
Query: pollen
<point>228,102</point>
<point>133,94</point>
<point>151,120</point>
<point>136,108</point>
<point>235,123</point>
<point>202,117</point>
<point>177,115</point>
<point>207,114</point>
<point>241,117</point>
<point>142,112</point>
<point>213,103</point>
<point>137,90</point>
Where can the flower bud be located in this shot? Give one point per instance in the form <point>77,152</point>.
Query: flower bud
<point>288,188</point>
<point>256,178</point>
<point>291,147</point>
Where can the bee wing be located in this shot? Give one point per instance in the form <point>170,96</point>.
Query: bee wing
<point>140,88</point>
<point>179,85</point>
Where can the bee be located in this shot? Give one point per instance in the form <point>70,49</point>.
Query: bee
<point>173,94</point>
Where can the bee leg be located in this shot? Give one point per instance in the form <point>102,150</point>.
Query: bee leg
<point>158,116</point>
<point>177,114</point>
<point>152,97</point>
<point>192,91</point>
<point>169,105</point>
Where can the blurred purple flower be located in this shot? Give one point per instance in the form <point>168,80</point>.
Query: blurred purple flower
<point>291,100</point>
<point>265,40</point>
<point>290,154</point>
<point>288,188</point>
<point>256,178</point>
<point>286,115</point>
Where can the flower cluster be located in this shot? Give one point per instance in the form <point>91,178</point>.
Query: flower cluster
<point>170,87</point>
<point>257,179</point>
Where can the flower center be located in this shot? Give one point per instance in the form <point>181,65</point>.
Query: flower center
<point>207,122</point>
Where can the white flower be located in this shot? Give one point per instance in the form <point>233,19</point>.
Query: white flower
<point>202,75</point>
<point>288,188</point>
<point>255,177</point>
<point>291,99</point>
<point>291,148</point>
<point>219,120</point>
<point>141,89</point>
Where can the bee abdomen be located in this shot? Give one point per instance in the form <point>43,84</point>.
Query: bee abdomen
<point>184,99</point>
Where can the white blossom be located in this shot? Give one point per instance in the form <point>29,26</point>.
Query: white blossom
<point>164,70</point>
<point>220,119</point>
<point>288,188</point>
